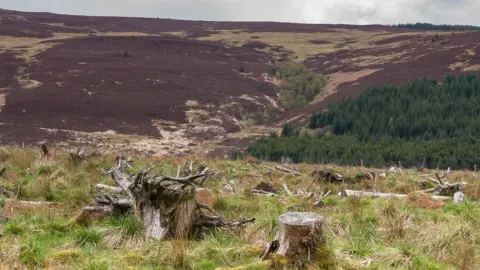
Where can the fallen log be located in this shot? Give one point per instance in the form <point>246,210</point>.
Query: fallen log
<point>33,203</point>
<point>359,193</point>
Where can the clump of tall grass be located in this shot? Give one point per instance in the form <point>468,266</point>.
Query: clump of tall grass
<point>14,227</point>
<point>123,231</point>
<point>87,237</point>
<point>393,220</point>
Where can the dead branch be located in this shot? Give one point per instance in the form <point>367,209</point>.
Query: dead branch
<point>102,187</point>
<point>230,185</point>
<point>442,187</point>
<point>287,190</point>
<point>319,202</point>
<point>205,221</point>
<point>439,179</point>
<point>261,192</point>
<point>273,169</point>
<point>287,170</point>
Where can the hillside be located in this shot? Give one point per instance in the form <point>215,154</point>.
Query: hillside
<point>414,232</point>
<point>161,86</point>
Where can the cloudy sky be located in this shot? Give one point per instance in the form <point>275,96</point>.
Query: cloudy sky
<point>308,11</point>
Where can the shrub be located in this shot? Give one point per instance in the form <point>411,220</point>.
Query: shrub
<point>300,85</point>
<point>242,69</point>
<point>125,53</point>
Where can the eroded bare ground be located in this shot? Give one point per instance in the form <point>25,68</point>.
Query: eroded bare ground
<point>167,87</point>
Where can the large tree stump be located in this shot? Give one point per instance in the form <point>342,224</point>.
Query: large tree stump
<point>167,206</point>
<point>299,235</point>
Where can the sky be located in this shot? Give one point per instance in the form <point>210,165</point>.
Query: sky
<point>302,11</point>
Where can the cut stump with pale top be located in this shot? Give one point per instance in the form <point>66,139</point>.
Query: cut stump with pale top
<point>299,235</point>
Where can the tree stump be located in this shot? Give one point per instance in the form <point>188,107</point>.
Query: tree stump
<point>299,235</point>
<point>166,205</point>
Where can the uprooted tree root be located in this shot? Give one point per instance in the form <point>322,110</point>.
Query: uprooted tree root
<point>166,205</point>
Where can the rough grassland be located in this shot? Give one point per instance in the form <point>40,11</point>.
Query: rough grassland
<point>361,233</point>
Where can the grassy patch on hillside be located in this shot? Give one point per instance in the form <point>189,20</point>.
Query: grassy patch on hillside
<point>361,233</point>
<point>304,45</point>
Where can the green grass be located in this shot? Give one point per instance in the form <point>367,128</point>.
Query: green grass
<point>87,237</point>
<point>360,233</point>
<point>14,227</point>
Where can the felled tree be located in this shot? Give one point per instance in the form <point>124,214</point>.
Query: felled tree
<point>166,205</point>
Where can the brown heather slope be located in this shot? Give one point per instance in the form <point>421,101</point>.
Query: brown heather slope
<point>65,80</point>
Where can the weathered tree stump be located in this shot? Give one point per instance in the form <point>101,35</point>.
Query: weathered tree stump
<point>167,206</point>
<point>299,235</point>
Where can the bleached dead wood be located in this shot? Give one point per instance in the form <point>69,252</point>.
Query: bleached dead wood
<point>443,187</point>
<point>261,192</point>
<point>319,202</point>
<point>33,203</point>
<point>458,197</point>
<point>160,200</point>
<point>273,169</point>
<point>230,184</point>
<point>359,193</point>
<point>287,170</point>
<point>102,187</point>
<point>287,190</point>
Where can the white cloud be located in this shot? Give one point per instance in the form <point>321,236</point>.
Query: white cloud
<point>308,11</point>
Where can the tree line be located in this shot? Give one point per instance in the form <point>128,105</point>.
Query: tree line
<point>423,123</point>
<point>440,27</point>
